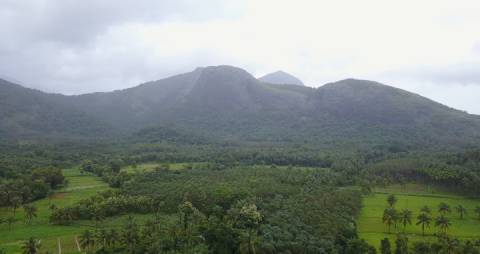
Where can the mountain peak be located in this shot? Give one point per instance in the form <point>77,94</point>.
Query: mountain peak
<point>281,78</point>
<point>225,70</point>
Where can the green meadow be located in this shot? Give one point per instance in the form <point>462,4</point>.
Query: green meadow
<point>414,197</point>
<point>80,186</point>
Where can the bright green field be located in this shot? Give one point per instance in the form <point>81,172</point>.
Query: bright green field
<point>414,197</point>
<point>80,187</point>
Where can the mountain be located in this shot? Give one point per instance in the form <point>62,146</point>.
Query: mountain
<point>26,113</point>
<point>228,103</point>
<point>281,78</point>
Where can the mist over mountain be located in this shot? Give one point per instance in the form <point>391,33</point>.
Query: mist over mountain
<point>227,102</point>
<point>281,78</point>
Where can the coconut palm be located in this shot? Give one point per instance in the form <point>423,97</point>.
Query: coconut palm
<point>97,215</point>
<point>30,213</point>
<point>477,211</point>
<point>389,217</point>
<point>130,235</point>
<point>443,208</point>
<point>443,223</point>
<point>391,200</point>
<point>16,202</point>
<point>31,246</point>
<point>461,211</point>
<point>405,217</point>
<point>102,236</point>
<point>87,240</point>
<point>424,219</point>
<point>426,209</point>
<point>112,237</point>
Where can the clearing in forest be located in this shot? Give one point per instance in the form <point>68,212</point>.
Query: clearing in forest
<point>414,197</point>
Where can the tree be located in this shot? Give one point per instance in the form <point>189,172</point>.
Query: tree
<point>391,200</point>
<point>477,211</point>
<point>424,219</point>
<point>30,213</point>
<point>115,166</point>
<point>443,223</point>
<point>101,238</point>
<point>130,235</point>
<point>111,238</point>
<point>461,211</point>
<point>247,217</point>
<point>385,247</point>
<point>425,209</point>
<point>359,246</point>
<point>421,248</point>
<point>97,214</point>
<point>10,221</point>
<point>389,217</point>
<point>31,246</point>
<point>450,245</point>
<point>401,244</point>
<point>405,218</point>
<point>443,208</point>
<point>16,201</point>
<point>87,241</point>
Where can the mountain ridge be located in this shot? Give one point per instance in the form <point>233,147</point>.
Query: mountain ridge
<point>228,102</point>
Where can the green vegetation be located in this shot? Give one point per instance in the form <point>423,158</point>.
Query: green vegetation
<point>214,161</point>
<point>427,214</point>
<point>80,186</point>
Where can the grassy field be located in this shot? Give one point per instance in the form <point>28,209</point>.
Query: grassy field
<point>414,197</point>
<point>80,186</point>
<point>150,166</point>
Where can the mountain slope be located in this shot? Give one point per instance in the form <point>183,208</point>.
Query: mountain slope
<point>395,113</point>
<point>30,113</point>
<point>281,78</point>
<point>202,95</point>
<point>225,102</point>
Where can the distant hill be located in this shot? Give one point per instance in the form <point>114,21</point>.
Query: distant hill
<point>225,102</point>
<point>281,78</point>
<point>26,113</point>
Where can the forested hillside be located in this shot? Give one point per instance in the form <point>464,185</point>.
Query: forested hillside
<point>227,103</point>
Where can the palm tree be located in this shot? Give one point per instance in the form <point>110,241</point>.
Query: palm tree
<point>97,215</point>
<point>477,211</point>
<point>30,212</point>
<point>112,237</point>
<point>16,202</point>
<point>461,211</point>
<point>87,240</point>
<point>443,208</point>
<point>31,246</point>
<point>10,220</point>
<point>130,235</point>
<point>443,223</point>
<point>392,200</point>
<point>102,236</point>
<point>389,217</point>
<point>424,219</point>
<point>405,218</point>
<point>426,209</point>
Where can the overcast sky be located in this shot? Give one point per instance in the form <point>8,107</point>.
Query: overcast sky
<point>431,47</point>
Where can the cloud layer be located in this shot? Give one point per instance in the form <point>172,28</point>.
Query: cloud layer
<point>68,46</point>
